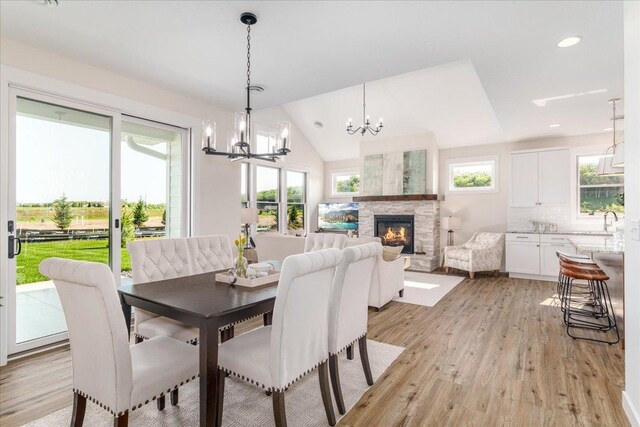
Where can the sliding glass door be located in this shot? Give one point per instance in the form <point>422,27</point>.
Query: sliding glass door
<point>60,205</point>
<point>154,195</point>
<point>83,181</point>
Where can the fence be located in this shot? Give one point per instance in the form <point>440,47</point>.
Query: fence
<point>27,235</point>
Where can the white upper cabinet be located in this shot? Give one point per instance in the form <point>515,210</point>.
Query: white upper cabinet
<point>553,178</point>
<point>539,178</point>
<point>523,180</point>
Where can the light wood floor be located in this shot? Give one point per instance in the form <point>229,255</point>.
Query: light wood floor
<point>488,354</point>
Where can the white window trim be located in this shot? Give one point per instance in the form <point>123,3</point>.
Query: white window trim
<point>341,172</point>
<point>575,186</point>
<point>260,129</point>
<point>468,161</point>
<point>282,194</point>
<point>285,201</point>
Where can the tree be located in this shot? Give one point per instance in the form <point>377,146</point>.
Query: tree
<point>62,215</point>
<point>140,213</point>
<point>127,231</point>
<point>351,185</point>
<point>294,222</point>
<point>164,217</point>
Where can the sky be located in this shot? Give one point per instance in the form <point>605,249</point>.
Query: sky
<point>55,158</point>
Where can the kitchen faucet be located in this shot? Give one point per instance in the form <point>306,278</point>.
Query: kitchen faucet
<point>606,226</point>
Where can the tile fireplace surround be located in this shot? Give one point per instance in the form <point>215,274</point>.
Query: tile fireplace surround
<point>426,227</point>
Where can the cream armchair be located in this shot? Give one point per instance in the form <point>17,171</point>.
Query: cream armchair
<point>482,252</point>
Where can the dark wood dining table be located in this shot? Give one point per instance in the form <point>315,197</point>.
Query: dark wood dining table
<point>200,301</point>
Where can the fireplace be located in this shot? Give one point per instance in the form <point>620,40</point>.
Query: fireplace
<point>395,230</point>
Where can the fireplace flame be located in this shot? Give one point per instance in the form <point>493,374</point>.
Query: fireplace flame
<point>393,235</point>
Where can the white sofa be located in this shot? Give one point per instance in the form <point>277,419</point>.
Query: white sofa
<point>482,252</point>
<point>274,248</point>
<point>387,279</point>
<point>388,276</point>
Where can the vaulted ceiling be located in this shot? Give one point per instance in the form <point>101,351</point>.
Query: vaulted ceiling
<point>467,71</point>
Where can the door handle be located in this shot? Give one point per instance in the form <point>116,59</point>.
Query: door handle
<point>12,246</point>
<point>19,246</point>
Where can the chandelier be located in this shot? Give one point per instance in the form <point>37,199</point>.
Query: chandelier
<point>239,140</point>
<point>611,163</point>
<point>366,121</point>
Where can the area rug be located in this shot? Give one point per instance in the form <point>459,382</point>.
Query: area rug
<point>426,289</point>
<point>246,405</point>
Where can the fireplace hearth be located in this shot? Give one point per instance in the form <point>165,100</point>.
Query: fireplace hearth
<point>395,230</point>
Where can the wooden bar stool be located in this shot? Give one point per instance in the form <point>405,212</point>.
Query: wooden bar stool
<point>597,312</point>
<point>572,259</point>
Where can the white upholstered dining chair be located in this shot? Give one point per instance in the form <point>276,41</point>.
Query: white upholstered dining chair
<point>348,310</point>
<point>106,370</point>
<point>159,259</point>
<point>319,241</point>
<point>274,357</point>
<point>209,253</point>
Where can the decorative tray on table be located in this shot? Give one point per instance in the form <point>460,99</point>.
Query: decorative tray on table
<point>246,282</point>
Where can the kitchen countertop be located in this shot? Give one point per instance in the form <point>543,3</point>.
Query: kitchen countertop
<point>599,244</point>
<point>569,233</point>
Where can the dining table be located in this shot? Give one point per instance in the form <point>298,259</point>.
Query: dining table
<point>201,301</point>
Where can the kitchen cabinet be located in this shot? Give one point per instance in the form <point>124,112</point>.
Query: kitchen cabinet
<point>535,254</point>
<point>539,178</point>
<point>523,253</point>
<point>549,245</point>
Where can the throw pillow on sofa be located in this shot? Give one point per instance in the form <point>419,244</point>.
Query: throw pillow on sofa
<point>391,253</point>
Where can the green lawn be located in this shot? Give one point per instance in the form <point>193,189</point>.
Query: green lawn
<point>85,250</point>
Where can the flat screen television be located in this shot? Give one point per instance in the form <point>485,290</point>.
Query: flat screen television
<point>338,216</point>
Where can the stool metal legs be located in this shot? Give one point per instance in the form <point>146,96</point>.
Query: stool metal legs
<point>587,306</point>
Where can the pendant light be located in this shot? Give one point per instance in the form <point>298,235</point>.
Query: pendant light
<point>611,163</point>
<point>239,140</point>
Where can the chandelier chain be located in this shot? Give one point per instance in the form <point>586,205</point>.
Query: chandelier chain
<point>248,56</point>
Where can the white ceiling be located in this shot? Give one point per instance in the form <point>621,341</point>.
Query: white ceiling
<point>474,68</point>
<point>447,100</point>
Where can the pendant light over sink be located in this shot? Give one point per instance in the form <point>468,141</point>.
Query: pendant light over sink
<point>612,161</point>
<point>239,140</point>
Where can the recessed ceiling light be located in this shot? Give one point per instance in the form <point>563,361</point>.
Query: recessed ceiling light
<point>555,125</point>
<point>608,129</point>
<point>569,41</point>
<point>319,125</point>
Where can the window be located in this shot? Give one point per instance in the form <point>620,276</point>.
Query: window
<point>296,201</point>
<point>262,143</point>
<point>473,175</point>
<point>598,194</point>
<point>346,183</point>
<point>244,185</point>
<point>268,197</point>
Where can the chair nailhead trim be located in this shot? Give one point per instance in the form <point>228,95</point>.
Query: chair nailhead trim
<point>229,326</point>
<point>271,389</point>
<point>345,347</point>
<point>103,406</point>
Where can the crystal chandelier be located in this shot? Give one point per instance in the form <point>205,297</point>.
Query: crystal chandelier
<point>239,140</point>
<point>366,121</point>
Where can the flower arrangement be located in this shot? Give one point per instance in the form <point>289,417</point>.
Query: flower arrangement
<point>241,262</point>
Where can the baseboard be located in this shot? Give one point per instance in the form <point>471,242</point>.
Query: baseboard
<point>632,414</point>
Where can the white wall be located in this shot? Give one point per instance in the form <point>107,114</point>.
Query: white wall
<point>488,211</point>
<point>631,395</point>
<point>216,180</point>
<point>425,141</point>
<point>303,157</point>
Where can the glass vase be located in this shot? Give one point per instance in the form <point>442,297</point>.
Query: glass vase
<point>241,265</point>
